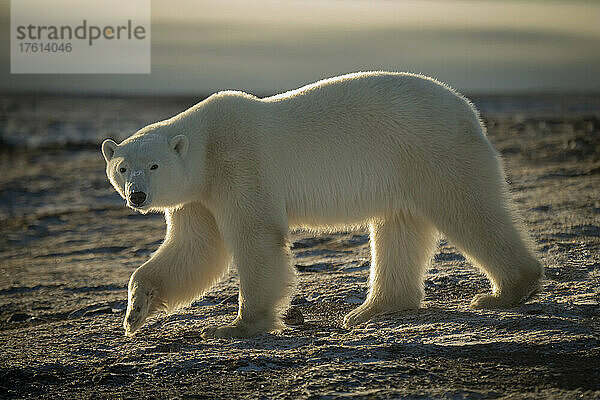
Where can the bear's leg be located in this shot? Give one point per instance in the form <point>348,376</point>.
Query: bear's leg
<point>401,247</point>
<point>489,235</point>
<point>189,261</point>
<point>261,254</point>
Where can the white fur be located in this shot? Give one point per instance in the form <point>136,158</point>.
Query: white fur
<point>398,152</point>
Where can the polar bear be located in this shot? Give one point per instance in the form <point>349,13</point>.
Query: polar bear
<point>401,153</point>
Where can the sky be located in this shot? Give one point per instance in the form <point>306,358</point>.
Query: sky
<point>263,47</point>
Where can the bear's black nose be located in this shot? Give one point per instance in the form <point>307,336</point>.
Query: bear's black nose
<point>137,198</point>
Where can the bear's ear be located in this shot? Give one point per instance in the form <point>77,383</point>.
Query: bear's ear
<point>180,144</point>
<point>108,149</point>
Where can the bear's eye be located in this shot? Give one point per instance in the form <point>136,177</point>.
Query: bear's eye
<point>122,170</point>
<point>154,166</point>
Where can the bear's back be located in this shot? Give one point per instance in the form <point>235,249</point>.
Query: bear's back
<point>364,86</point>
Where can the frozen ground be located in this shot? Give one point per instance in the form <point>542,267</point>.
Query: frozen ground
<point>68,246</point>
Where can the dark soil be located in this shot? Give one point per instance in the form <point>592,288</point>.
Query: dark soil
<point>68,246</point>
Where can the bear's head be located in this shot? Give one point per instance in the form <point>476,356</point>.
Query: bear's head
<point>148,171</point>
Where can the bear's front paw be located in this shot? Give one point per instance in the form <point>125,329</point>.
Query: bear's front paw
<point>485,301</point>
<point>138,309</point>
<point>360,315</point>
<point>495,301</point>
<point>511,296</point>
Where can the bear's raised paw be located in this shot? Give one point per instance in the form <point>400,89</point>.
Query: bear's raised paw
<point>139,308</point>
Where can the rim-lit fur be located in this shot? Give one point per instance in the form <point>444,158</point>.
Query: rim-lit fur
<point>399,153</point>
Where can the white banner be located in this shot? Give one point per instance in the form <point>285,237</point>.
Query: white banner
<point>79,36</point>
